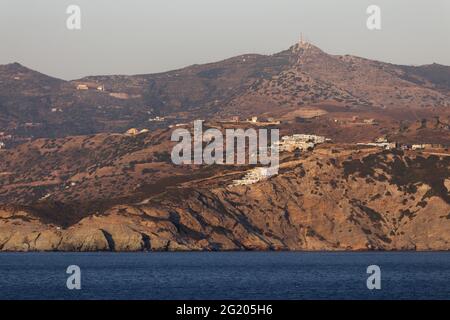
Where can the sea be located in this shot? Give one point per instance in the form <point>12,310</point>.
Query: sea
<point>225,275</point>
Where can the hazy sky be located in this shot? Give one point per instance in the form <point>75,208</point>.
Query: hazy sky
<point>146,36</point>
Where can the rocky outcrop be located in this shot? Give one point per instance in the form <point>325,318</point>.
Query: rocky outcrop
<point>374,201</point>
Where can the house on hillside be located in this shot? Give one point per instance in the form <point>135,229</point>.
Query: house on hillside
<point>370,121</point>
<point>82,87</point>
<point>255,175</point>
<point>91,86</point>
<point>132,132</point>
<point>418,147</point>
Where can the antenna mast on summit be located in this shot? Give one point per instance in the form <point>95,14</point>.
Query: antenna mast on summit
<point>302,39</point>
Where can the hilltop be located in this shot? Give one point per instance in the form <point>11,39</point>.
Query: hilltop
<point>34,105</point>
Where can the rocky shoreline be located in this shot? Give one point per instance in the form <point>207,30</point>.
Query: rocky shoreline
<point>377,202</point>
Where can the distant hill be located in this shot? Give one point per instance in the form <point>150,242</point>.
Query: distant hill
<point>314,76</point>
<point>35,105</point>
<point>437,74</point>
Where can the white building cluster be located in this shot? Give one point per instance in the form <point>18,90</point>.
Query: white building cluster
<point>299,141</point>
<point>255,175</point>
<point>157,119</point>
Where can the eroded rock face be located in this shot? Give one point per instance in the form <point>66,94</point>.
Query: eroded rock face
<point>378,201</point>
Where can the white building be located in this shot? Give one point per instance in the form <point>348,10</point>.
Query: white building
<point>157,119</point>
<point>255,175</point>
<point>82,87</point>
<point>384,145</point>
<point>418,147</point>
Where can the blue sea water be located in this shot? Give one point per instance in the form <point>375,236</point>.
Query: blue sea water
<point>226,275</point>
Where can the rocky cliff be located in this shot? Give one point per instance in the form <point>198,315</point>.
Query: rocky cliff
<point>331,199</point>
